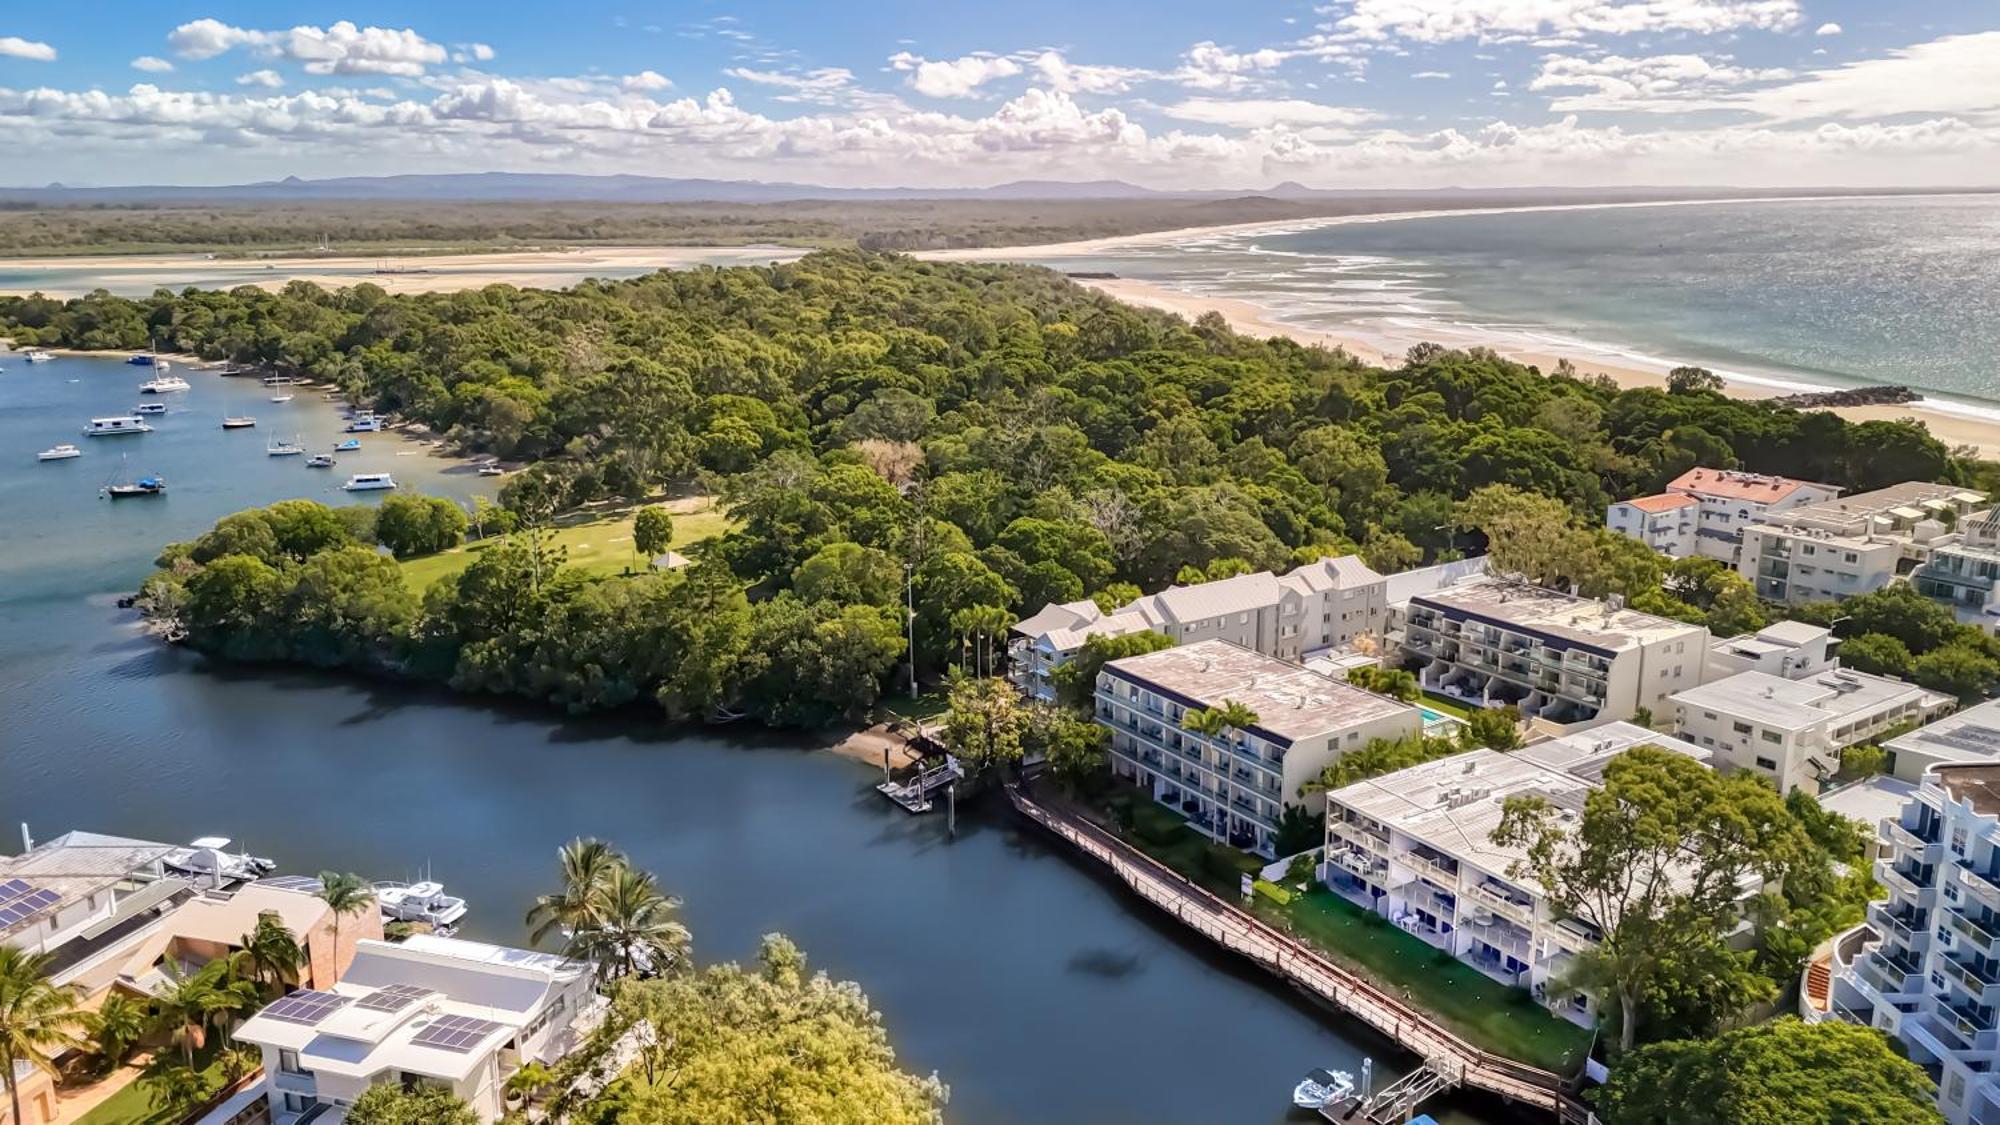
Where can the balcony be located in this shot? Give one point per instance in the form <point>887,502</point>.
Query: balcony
<point>1976,934</point>
<point>1980,884</point>
<point>1362,838</point>
<point>1902,840</point>
<point>1436,869</point>
<point>1496,900</point>
<point>1896,881</point>
<point>1905,923</point>
<point>1974,981</point>
<point>1884,975</point>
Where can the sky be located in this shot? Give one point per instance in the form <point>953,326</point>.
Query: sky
<point>1163,93</point>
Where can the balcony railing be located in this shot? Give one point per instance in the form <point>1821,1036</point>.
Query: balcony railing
<point>1886,977</point>
<point>1895,880</point>
<point>1980,883</point>
<point>1899,923</point>
<point>1435,868</point>
<point>1981,938</point>
<point>1496,901</point>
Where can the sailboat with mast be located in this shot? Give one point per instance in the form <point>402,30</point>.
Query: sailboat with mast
<point>127,488</point>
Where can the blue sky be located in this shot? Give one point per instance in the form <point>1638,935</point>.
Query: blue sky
<point>1342,93</point>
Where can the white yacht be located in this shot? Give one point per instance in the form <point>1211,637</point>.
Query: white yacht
<point>150,408</point>
<point>364,423</point>
<point>284,448</point>
<point>207,860</point>
<point>106,427</point>
<point>1322,1089</point>
<point>419,902</point>
<point>163,385</point>
<point>369,482</point>
<point>37,355</point>
<point>61,452</point>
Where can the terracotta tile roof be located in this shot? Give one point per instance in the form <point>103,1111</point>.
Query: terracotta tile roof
<point>1733,485</point>
<point>1664,502</point>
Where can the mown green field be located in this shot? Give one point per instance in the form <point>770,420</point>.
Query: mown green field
<point>598,546</point>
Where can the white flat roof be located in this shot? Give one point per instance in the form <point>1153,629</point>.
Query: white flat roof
<point>1869,801</point>
<point>1536,609</point>
<point>1971,736</point>
<point>1291,702</point>
<point>1828,697</point>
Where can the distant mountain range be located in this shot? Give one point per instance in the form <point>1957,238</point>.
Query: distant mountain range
<point>558,187</point>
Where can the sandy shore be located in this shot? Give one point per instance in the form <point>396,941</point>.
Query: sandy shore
<point>1253,320</point>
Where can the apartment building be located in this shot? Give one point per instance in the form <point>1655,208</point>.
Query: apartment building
<point>1416,847</point>
<point>1565,661</point>
<point>1325,604</point>
<point>1853,545</point>
<point>1235,786</point>
<point>1928,967</point>
<point>1704,511</point>
<point>1962,572</point>
<point>1790,650</point>
<point>1791,731</point>
<point>1963,738</point>
<point>428,1011</point>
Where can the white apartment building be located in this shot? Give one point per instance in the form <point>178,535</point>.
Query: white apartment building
<point>1840,548</point>
<point>1704,511</point>
<point>1964,572</point>
<point>428,1011</point>
<point>1790,650</point>
<point>1235,786</point>
<point>1565,661</point>
<point>1928,970</point>
<point>1791,731</point>
<point>1324,604</point>
<point>1963,738</point>
<point>1416,847</point>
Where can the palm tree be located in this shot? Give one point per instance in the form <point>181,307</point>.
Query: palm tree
<point>119,1024</point>
<point>1220,724</point>
<point>633,925</point>
<point>189,1002</point>
<point>587,865</point>
<point>273,952</point>
<point>37,1018</point>
<point>343,894</point>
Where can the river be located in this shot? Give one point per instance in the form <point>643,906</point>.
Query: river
<point>1037,991</point>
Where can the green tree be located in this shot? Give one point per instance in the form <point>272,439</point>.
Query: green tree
<point>1784,1071</point>
<point>1863,760</point>
<point>850,573</point>
<point>1652,865</point>
<point>188,1005</point>
<point>1378,756</point>
<point>117,1026</point>
<point>1496,728</point>
<point>984,722</point>
<point>1076,680</point>
<point>1396,683</point>
<point>1693,380</point>
<point>773,1042</point>
<point>410,525</point>
<point>344,894</point>
<point>1073,746</point>
<point>38,1020</point>
<point>632,927</point>
<point>385,1104</point>
<point>1957,669</point>
<point>1878,654</point>
<point>587,868</point>
<point>652,532</point>
<point>273,951</point>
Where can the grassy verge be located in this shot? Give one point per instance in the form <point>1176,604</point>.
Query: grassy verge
<point>1492,1015</point>
<point>1167,836</point>
<point>135,1105</point>
<point>598,546</point>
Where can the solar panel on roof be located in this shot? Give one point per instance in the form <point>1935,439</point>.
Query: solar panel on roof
<point>394,998</point>
<point>307,1006</point>
<point>455,1033</point>
<point>305,883</point>
<point>20,907</point>
<point>13,889</point>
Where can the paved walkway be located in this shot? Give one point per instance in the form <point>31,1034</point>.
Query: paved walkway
<point>1306,968</point>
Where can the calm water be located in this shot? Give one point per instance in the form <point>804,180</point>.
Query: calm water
<point>1808,293</point>
<point>1038,992</point>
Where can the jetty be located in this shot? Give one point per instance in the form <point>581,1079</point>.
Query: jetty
<point>1448,1060</point>
<point>914,795</point>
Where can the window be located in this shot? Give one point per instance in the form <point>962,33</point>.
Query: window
<point>1770,736</point>
<point>1709,715</point>
<point>295,1103</point>
<point>288,1061</point>
<point>1740,728</point>
<point>1767,764</point>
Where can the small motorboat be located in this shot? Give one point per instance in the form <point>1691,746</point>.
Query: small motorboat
<point>36,355</point>
<point>206,860</point>
<point>491,470</point>
<point>369,482</point>
<point>141,359</point>
<point>238,423</point>
<point>144,486</point>
<point>348,446</point>
<point>1322,1088</point>
<point>165,384</point>
<point>419,902</point>
<point>150,408</point>
<point>319,461</point>
<point>281,398</point>
<point>284,449</point>
<point>61,452</point>
<point>366,425</point>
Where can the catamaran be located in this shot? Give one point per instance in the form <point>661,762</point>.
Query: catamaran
<point>163,385</point>
<point>369,482</point>
<point>107,427</point>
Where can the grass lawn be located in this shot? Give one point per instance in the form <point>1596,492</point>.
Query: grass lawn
<point>928,705</point>
<point>1446,705</point>
<point>1167,836</point>
<point>598,546</point>
<point>1494,1016</point>
<point>134,1104</point>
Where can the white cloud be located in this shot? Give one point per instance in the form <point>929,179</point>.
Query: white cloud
<point>953,78</point>
<point>1206,66</point>
<point>1440,21</point>
<point>1260,113</point>
<point>644,81</point>
<point>268,79</point>
<point>15,47</point>
<point>152,64</point>
<point>1952,75</point>
<point>1658,83</point>
<point>1827,29</point>
<point>1432,74</point>
<point>1082,78</point>
<point>342,48</point>
<point>825,85</point>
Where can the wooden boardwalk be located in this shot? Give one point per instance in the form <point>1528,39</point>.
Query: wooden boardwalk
<point>1307,969</point>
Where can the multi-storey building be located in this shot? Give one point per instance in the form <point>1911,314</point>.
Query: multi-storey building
<point>1791,731</point>
<point>1928,971</point>
<point>1235,786</point>
<point>429,1011</point>
<point>1854,545</point>
<point>1325,604</point>
<point>1963,572</point>
<point>1790,650</point>
<point>1704,511</point>
<point>1569,662</point>
<point>1963,738</point>
<point>1416,847</point>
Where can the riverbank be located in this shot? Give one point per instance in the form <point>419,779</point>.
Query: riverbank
<point>1246,317</point>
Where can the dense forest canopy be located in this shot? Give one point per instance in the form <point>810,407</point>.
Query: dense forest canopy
<point>1010,437</point>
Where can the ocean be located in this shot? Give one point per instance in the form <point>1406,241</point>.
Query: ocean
<point>1801,294</point>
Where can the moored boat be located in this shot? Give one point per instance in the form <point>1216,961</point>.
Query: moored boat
<point>369,482</point>
<point>491,470</point>
<point>144,486</point>
<point>281,398</point>
<point>348,446</point>
<point>141,359</point>
<point>419,902</point>
<point>364,424</point>
<point>108,427</point>
<point>243,422</point>
<point>1322,1088</point>
<point>150,408</point>
<point>205,859</point>
<point>284,448</point>
<point>37,355</point>
<point>163,385</point>
<point>61,452</point>
<point>319,461</point>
